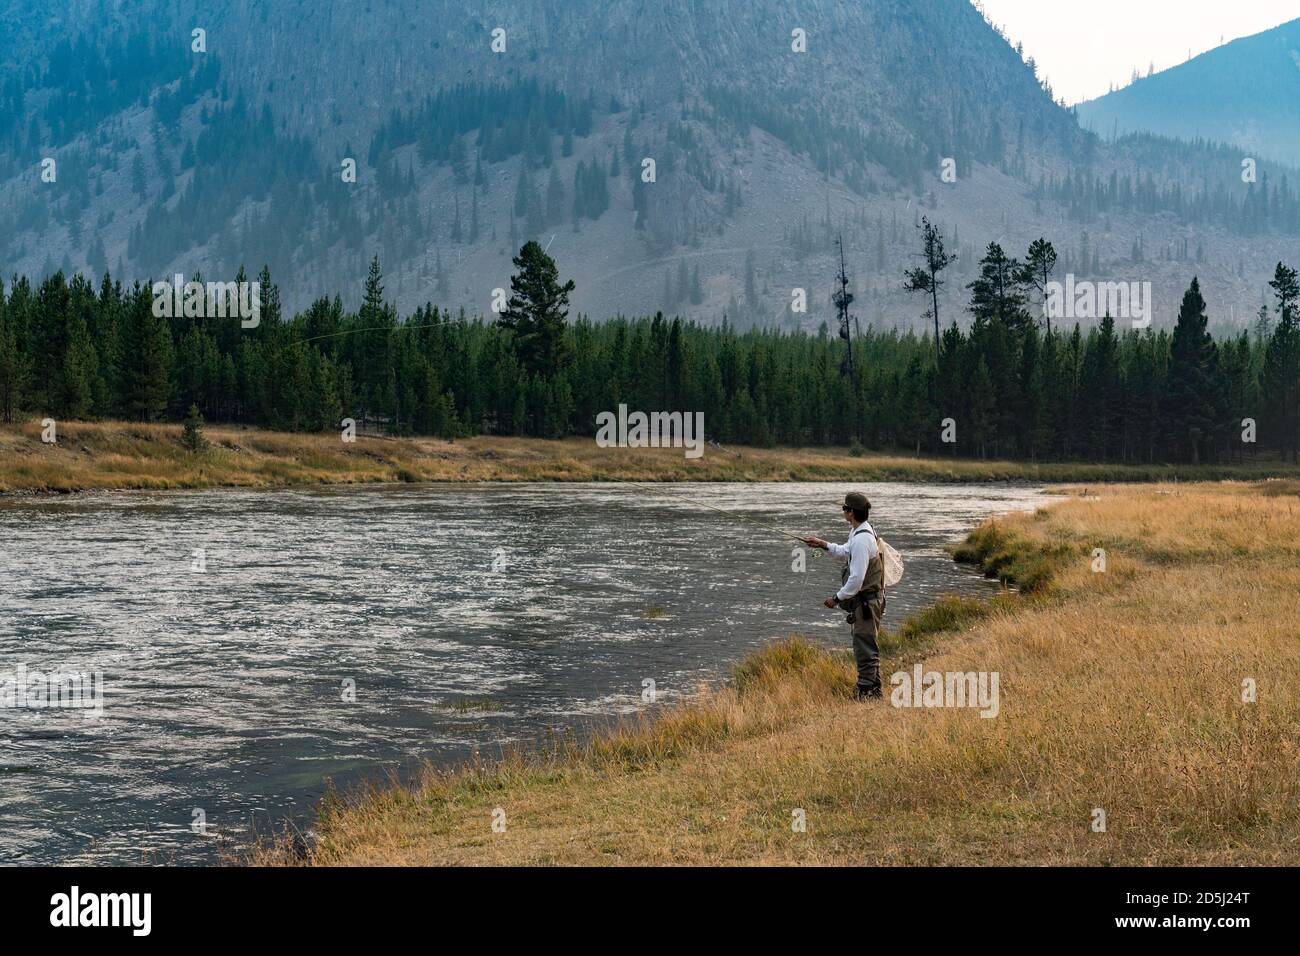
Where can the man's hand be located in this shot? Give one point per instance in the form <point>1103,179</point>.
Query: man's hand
<point>814,542</point>
<point>830,601</point>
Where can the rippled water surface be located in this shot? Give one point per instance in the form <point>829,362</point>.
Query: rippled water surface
<point>468,616</point>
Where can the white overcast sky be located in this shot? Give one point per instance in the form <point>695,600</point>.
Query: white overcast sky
<point>1083,46</point>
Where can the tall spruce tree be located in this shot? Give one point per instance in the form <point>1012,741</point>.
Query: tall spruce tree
<point>537,311</point>
<point>997,295</point>
<point>1100,383</point>
<point>1190,398</point>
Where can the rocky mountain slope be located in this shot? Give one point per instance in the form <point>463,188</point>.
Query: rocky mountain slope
<point>773,127</point>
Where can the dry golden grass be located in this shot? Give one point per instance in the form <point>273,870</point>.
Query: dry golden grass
<point>1120,690</point>
<point>121,455</point>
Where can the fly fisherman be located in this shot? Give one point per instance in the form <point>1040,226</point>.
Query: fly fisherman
<point>862,595</point>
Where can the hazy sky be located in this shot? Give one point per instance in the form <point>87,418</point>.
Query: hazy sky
<point>1083,46</point>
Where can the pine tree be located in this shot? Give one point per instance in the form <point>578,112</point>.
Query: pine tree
<point>1040,389</point>
<point>996,295</point>
<point>373,345</point>
<point>147,361</point>
<point>1263,327</point>
<point>192,434</point>
<point>983,408</point>
<point>80,368</point>
<point>1281,376</point>
<point>926,279</point>
<point>372,302</point>
<point>537,311</point>
<point>1036,272</point>
<point>1240,390</point>
<point>1189,406</point>
<point>325,409</point>
<point>1101,398</point>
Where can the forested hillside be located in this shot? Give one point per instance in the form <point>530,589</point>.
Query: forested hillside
<point>773,128</point>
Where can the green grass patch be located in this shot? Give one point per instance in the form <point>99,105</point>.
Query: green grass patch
<point>951,612</point>
<point>1012,559</point>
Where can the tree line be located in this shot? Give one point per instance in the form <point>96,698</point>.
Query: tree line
<point>1003,387</point>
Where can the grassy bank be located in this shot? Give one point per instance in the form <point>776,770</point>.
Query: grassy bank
<point>119,455</point>
<point>1119,690</point>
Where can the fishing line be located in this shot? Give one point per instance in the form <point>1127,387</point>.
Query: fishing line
<point>730,514</point>
<point>373,328</point>
<point>816,552</point>
<point>885,550</point>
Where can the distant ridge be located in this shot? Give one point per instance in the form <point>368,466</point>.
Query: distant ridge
<point>1244,93</point>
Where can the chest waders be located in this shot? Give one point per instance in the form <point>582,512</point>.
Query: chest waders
<point>864,611</point>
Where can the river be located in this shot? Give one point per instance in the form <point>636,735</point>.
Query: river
<point>252,644</point>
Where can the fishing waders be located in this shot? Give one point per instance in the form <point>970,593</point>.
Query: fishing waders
<point>864,611</point>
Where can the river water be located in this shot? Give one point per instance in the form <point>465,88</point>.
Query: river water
<point>254,643</point>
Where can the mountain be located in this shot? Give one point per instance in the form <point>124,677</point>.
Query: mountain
<point>171,159</point>
<point>1245,93</point>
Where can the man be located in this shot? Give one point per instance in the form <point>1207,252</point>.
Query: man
<point>862,595</point>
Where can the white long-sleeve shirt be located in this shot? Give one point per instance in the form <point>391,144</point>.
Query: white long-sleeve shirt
<point>858,551</point>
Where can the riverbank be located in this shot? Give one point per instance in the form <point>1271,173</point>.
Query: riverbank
<point>122,455</point>
<point>1120,694</point>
